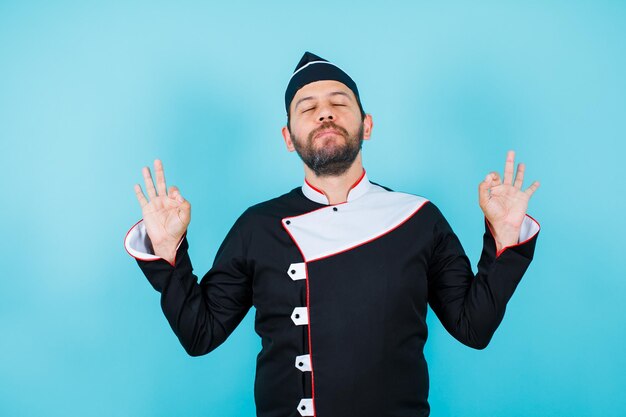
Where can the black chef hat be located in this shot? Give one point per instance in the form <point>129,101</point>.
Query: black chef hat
<point>312,68</point>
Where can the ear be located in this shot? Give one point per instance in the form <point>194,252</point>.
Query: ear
<point>368,125</point>
<point>287,139</point>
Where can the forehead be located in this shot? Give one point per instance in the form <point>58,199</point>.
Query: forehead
<point>320,89</point>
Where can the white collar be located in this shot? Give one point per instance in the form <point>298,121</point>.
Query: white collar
<point>358,189</point>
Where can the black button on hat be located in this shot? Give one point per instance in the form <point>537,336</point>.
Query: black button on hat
<point>312,68</point>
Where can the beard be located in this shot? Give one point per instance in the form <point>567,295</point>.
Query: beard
<point>329,159</point>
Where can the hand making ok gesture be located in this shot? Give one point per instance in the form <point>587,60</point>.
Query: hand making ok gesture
<point>166,215</point>
<point>505,203</point>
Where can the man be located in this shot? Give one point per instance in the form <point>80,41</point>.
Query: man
<point>340,270</point>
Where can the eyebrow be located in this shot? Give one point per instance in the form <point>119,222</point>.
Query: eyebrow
<point>334,93</point>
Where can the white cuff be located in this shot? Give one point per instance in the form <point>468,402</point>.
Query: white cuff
<point>138,245</point>
<point>529,228</point>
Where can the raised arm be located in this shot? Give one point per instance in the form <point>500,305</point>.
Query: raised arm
<point>470,306</point>
<point>204,314</point>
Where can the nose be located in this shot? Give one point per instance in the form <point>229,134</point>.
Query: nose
<point>326,113</point>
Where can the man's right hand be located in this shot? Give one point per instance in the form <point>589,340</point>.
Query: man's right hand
<point>167,214</point>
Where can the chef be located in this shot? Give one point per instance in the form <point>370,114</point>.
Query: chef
<point>340,270</point>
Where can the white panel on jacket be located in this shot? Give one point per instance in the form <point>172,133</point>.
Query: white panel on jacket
<point>333,229</point>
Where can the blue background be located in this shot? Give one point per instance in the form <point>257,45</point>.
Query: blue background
<point>91,92</point>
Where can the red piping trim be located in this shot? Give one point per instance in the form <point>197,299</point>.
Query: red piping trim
<point>498,253</point>
<point>350,189</point>
<point>314,188</point>
<point>308,308</point>
<point>373,238</point>
<point>150,259</point>
<point>308,312</point>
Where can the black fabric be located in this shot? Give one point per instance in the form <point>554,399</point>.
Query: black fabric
<point>367,308</point>
<point>319,71</point>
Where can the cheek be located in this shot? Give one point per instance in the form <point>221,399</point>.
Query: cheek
<point>301,128</point>
<point>351,116</point>
<point>353,125</point>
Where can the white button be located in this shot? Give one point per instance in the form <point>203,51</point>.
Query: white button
<point>303,363</point>
<point>297,271</point>
<point>306,407</point>
<point>300,316</point>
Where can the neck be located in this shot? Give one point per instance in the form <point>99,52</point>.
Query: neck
<point>336,187</point>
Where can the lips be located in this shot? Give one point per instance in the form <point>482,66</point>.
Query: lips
<point>326,132</point>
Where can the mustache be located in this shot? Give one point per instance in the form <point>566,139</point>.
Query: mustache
<point>328,125</point>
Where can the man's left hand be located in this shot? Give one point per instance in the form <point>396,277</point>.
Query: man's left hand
<point>504,202</point>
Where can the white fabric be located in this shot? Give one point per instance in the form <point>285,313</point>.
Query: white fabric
<point>334,229</point>
<point>305,360</point>
<point>300,316</point>
<point>305,408</point>
<point>297,271</point>
<point>137,243</point>
<point>530,228</point>
<point>313,194</point>
<point>358,190</point>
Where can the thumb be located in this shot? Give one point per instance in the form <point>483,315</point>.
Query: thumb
<point>184,211</point>
<point>483,189</point>
<point>174,193</point>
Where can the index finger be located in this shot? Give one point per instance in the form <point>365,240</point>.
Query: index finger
<point>140,197</point>
<point>531,190</point>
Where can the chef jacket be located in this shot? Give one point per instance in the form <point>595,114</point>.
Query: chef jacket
<point>341,294</point>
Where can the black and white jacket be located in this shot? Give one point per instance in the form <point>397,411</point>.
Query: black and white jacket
<point>341,294</point>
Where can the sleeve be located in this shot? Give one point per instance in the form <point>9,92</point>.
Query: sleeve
<point>203,314</point>
<point>470,306</point>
